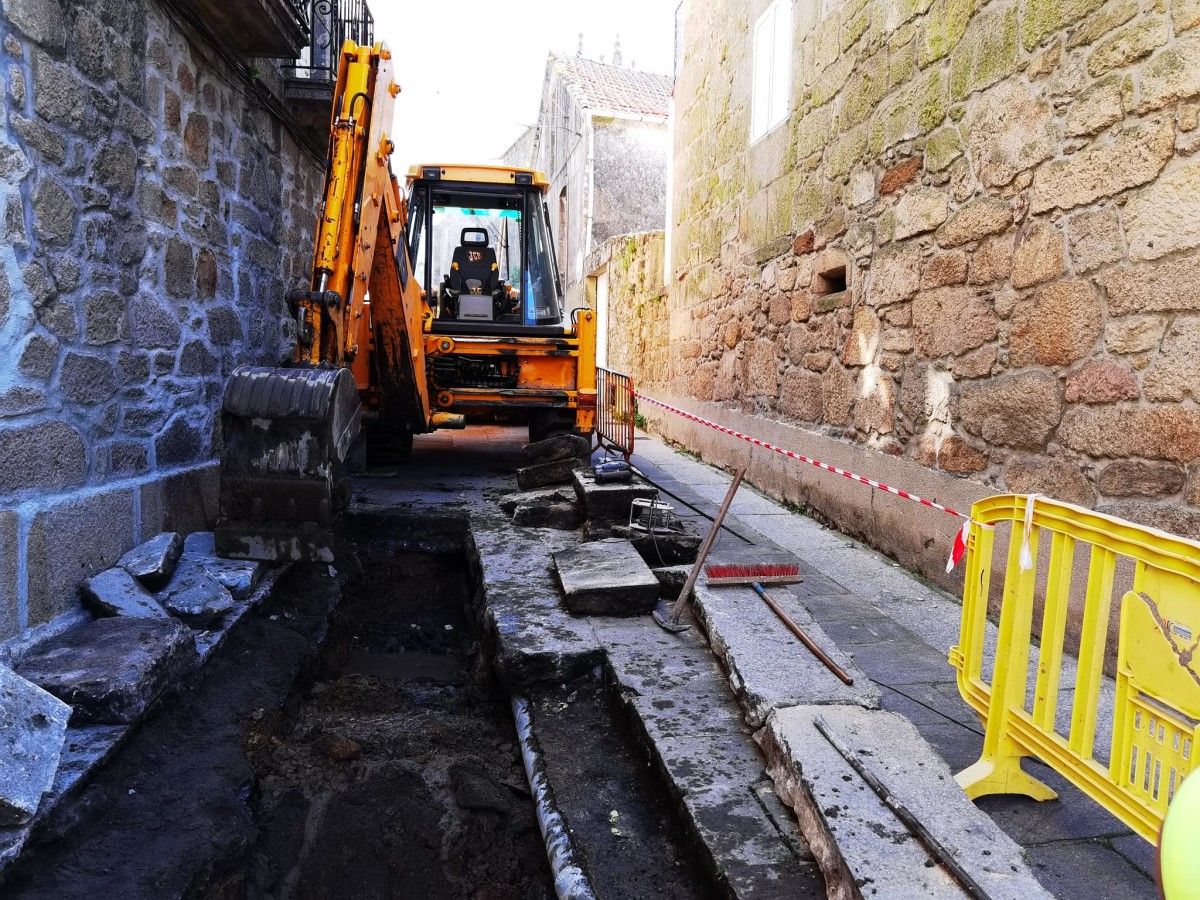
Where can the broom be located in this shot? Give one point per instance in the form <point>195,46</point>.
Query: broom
<point>783,573</point>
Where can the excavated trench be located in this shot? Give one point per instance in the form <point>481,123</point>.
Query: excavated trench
<point>350,740</point>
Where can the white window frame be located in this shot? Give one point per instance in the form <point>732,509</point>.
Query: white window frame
<point>770,94</point>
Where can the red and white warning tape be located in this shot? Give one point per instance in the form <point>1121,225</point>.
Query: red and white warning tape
<point>960,538</point>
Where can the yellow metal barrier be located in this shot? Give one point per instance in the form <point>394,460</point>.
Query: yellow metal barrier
<point>1156,716</point>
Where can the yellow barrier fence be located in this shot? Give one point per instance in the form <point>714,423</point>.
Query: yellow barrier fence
<point>1155,719</point>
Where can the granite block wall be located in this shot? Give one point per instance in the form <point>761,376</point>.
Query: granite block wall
<point>972,245</point>
<point>155,209</point>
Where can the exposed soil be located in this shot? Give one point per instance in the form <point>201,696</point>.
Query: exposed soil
<point>367,755</point>
<point>349,740</point>
<point>620,815</point>
<point>398,774</point>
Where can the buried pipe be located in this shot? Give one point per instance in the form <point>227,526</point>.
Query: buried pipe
<point>570,881</point>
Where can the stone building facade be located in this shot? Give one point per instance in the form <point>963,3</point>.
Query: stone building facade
<point>601,139</point>
<point>156,206</point>
<point>635,314</point>
<point>967,260</point>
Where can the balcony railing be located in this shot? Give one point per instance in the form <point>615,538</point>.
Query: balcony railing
<point>330,24</point>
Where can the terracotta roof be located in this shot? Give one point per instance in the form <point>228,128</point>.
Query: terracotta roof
<point>601,86</point>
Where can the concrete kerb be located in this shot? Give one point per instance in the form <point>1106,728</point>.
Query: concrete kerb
<point>863,846</point>
<point>768,667</point>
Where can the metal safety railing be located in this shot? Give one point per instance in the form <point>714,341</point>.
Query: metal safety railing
<point>1154,719</point>
<point>331,23</point>
<point>616,411</point>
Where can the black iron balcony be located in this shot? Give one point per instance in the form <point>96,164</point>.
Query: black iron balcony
<point>330,24</point>
<point>308,82</point>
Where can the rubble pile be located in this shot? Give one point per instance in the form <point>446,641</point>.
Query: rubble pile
<point>150,610</point>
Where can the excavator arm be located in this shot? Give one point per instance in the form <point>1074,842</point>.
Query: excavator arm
<point>291,433</point>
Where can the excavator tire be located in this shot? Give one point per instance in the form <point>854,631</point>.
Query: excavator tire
<point>284,483</point>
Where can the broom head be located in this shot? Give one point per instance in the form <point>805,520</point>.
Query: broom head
<point>747,573</point>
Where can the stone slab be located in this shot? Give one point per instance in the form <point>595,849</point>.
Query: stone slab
<point>114,592</point>
<point>33,726</point>
<point>564,516</point>
<point>676,698</point>
<point>768,666</point>
<point>111,670</point>
<point>238,576</point>
<point>195,596</point>
<point>534,639</point>
<point>558,471</point>
<point>153,562</point>
<point>558,446</point>
<point>609,501</point>
<point>605,578</point>
<point>509,502</point>
<point>857,835</point>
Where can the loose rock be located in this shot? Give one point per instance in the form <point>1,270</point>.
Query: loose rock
<point>510,502</point>
<point>153,563</point>
<point>564,516</point>
<point>115,592</point>
<point>196,597</point>
<point>557,471</point>
<point>238,576</point>
<point>605,578</point>
<point>111,670</point>
<point>558,446</point>
<point>33,725</point>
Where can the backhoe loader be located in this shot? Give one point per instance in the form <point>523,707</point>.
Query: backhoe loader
<point>426,306</point>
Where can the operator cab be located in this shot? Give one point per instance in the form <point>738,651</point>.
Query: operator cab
<point>480,242</point>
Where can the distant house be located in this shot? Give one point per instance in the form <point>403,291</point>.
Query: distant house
<point>601,138</point>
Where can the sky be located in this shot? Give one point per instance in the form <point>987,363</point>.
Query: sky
<point>472,80</point>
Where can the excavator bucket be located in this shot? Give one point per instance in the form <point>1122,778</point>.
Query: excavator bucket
<point>284,484</point>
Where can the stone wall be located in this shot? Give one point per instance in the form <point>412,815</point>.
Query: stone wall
<point>637,304</point>
<point>154,210</point>
<point>970,246</point>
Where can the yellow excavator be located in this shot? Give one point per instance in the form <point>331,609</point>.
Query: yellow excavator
<point>426,307</point>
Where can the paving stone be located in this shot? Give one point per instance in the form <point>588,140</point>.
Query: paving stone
<point>556,471</point>
<point>676,696</point>
<point>111,670</point>
<point>1089,871</point>
<point>558,446</point>
<point>195,596</point>
<point>536,640</point>
<point>238,576</point>
<point>153,562</point>
<point>114,592</point>
<point>609,501</point>
<point>856,836</point>
<point>33,725</point>
<point>768,667</point>
<point>565,516</point>
<point>510,502</point>
<point>671,579</point>
<point>606,578</point>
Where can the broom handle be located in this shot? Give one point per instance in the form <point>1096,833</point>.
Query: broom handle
<point>802,635</point>
<point>681,602</point>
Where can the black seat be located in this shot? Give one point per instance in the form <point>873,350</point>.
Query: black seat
<point>473,267</point>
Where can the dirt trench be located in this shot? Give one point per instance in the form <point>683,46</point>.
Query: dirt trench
<point>351,740</point>
<point>367,753</point>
